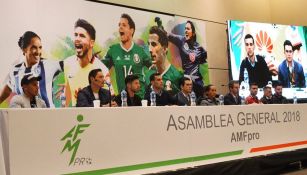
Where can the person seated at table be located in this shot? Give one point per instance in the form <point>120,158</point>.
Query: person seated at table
<point>182,98</point>
<point>252,98</point>
<point>94,91</point>
<point>278,98</point>
<point>233,98</point>
<point>133,86</point>
<point>267,95</point>
<point>209,97</point>
<point>29,98</point>
<point>163,98</point>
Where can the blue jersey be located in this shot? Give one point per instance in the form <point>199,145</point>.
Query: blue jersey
<point>47,69</point>
<point>188,50</point>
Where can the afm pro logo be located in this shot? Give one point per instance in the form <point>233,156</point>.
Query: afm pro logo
<point>72,138</point>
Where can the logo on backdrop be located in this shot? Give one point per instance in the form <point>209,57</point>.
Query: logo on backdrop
<point>72,138</point>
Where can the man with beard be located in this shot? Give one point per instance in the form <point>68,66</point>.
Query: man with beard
<point>127,57</point>
<point>163,98</point>
<point>94,91</point>
<point>132,87</point>
<point>256,66</point>
<point>158,47</point>
<point>278,98</point>
<point>252,98</point>
<point>77,67</point>
<point>192,54</point>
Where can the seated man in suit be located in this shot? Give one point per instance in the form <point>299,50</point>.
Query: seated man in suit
<point>29,98</point>
<point>278,98</point>
<point>182,98</point>
<point>163,98</point>
<point>133,86</point>
<point>233,98</point>
<point>267,95</point>
<point>94,91</point>
<point>290,72</point>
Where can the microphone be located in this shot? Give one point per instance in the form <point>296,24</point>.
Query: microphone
<point>109,89</point>
<point>108,84</point>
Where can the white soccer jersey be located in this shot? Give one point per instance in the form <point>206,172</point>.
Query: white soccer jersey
<point>47,69</point>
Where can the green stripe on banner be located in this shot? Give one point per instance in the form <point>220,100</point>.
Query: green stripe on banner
<point>158,164</point>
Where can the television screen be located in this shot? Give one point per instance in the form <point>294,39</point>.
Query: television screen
<point>265,53</point>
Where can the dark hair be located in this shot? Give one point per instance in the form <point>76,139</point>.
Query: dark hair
<point>163,40</point>
<point>130,21</point>
<point>182,81</point>
<point>208,87</point>
<point>247,36</point>
<point>87,26</point>
<point>153,76</point>
<point>93,74</point>
<point>193,30</point>
<point>231,83</point>
<point>253,84</point>
<point>131,78</point>
<point>266,87</point>
<point>288,43</point>
<point>26,38</point>
<point>277,83</point>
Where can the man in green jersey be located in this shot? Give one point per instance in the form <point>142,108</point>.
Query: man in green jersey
<point>158,47</point>
<point>127,57</point>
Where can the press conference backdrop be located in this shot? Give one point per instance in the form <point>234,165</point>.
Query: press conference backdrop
<point>136,140</point>
<point>54,22</point>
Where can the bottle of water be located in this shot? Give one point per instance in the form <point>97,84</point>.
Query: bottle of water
<point>242,100</point>
<point>294,98</point>
<point>193,98</point>
<point>63,99</point>
<point>221,100</point>
<point>246,79</point>
<point>153,98</point>
<point>123,96</point>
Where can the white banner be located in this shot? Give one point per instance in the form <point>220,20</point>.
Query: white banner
<point>137,140</point>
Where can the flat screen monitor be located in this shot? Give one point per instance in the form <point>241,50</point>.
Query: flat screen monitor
<point>266,53</point>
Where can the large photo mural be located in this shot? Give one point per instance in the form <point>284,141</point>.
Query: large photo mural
<point>62,41</point>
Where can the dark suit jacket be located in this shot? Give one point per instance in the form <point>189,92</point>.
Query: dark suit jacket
<point>86,97</point>
<point>279,99</point>
<point>162,99</point>
<point>181,100</point>
<point>230,100</point>
<point>284,78</point>
<point>135,101</point>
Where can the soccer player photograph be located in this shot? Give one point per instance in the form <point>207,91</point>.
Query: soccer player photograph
<point>158,48</point>
<point>192,54</point>
<point>31,47</point>
<point>127,57</point>
<point>78,66</point>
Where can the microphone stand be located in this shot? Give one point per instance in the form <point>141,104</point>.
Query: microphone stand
<point>109,88</point>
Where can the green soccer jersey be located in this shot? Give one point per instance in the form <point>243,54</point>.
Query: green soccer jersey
<point>171,77</point>
<point>128,62</point>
